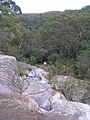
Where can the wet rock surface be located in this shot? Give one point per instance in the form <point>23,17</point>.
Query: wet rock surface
<point>25,98</point>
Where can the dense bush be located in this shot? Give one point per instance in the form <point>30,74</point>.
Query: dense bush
<point>60,38</point>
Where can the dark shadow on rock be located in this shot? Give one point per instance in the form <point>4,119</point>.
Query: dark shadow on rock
<point>43,102</point>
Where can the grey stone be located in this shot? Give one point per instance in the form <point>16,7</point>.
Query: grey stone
<point>22,98</point>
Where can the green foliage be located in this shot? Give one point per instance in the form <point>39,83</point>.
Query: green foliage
<point>60,38</point>
<point>21,71</point>
<point>33,60</point>
<point>61,67</point>
<point>86,7</point>
<point>52,69</point>
<point>5,10</point>
<point>68,88</point>
<point>65,67</point>
<point>54,57</point>
<point>86,96</point>
<point>83,65</point>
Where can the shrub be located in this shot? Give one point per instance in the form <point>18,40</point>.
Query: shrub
<point>21,71</point>
<point>52,69</point>
<point>68,89</point>
<point>33,60</point>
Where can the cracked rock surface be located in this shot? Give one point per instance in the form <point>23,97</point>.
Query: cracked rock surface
<point>25,98</point>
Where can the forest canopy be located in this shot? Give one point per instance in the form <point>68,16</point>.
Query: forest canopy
<point>61,39</point>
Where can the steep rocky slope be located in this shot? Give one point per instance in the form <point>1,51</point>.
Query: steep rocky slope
<point>25,98</point>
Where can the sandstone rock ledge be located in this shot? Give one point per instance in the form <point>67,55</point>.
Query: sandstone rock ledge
<point>31,100</point>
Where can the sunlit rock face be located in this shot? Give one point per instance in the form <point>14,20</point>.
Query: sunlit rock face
<point>23,98</point>
<point>18,108</point>
<point>8,74</point>
<point>78,111</point>
<point>41,93</point>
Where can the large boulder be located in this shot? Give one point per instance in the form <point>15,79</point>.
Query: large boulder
<point>18,108</point>
<point>41,93</point>
<point>9,82</point>
<point>70,110</point>
<point>21,108</point>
